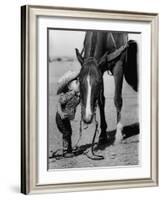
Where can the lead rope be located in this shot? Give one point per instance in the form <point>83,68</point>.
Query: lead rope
<point>94,156</point>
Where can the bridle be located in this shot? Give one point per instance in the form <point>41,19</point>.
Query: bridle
<point>87,60</point>
<point>93,155</point>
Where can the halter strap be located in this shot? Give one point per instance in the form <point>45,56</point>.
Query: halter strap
<point>89,59</point>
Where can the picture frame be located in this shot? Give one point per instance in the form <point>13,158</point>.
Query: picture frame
<point>30,113</point>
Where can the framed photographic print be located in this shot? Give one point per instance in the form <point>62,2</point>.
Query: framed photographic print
<point>89,99</point>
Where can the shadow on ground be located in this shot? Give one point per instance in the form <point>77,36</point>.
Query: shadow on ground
<point>128,131</point>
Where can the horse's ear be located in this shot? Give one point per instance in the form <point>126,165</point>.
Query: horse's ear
<point>79,56</point>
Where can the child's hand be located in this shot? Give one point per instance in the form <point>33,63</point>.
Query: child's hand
<point>72,92</point>
<point>63,115</point>
<point>78,94</point>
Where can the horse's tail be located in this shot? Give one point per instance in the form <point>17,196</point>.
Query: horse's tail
<point>130,65</point>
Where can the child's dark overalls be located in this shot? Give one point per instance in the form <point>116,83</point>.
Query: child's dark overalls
<point>68,102</point>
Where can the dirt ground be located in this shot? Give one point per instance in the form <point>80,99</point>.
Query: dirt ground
<point>123,154</point>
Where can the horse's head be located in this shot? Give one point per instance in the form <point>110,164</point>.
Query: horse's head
<point>90,86</point>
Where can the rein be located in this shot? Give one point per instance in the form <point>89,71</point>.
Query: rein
<point>93,156</point>
<point>89,59</point>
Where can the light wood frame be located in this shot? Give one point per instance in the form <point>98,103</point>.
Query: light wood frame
<point>29,16</point>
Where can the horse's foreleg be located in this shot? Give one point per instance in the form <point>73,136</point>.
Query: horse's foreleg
<point>118,79</point>
<point>103,126</point>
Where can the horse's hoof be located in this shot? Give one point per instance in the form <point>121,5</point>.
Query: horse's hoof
<point>118,135</point>
<point>119,126</point>
<point>118,138</point>
<point>118,141</point>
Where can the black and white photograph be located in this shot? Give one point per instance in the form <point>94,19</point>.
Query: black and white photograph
<point>93,98</point>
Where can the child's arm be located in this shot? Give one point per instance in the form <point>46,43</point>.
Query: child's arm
<point>62,114</point>
<point>65,97</point>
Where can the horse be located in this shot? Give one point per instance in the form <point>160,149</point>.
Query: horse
<point>105,51</point>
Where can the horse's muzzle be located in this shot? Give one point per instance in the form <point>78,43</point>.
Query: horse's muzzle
<point>88,119</point>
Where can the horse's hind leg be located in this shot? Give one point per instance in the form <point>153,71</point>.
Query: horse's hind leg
<point>118,79</point>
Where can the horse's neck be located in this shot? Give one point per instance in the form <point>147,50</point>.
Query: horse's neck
<point>120,38</point>
<point>115,40</point>
<point>94,44</point>
<point>97,43</point>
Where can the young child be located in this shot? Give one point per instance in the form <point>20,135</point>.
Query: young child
<point>68,91</point>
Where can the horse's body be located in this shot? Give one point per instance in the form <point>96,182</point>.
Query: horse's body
<point>97,45</point>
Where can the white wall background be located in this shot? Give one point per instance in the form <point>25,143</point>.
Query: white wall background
<point>10,100</point>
